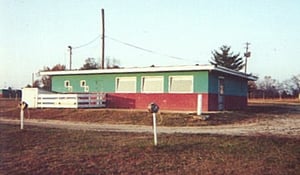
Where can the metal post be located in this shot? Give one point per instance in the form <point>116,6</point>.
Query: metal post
<point>70,47</point>
<point>247,55</point>
<point>246,64</point>
<point>154,128</point>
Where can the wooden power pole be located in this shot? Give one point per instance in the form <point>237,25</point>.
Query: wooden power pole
<point>103,39</point>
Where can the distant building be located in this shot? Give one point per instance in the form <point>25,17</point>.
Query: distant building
<point>181,88</point>
<point>10,93</point>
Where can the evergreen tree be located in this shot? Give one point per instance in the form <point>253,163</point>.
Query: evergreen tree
<point>227,59</point>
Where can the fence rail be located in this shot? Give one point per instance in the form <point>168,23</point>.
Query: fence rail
<point>71,100</point>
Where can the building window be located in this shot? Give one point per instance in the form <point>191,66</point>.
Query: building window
<point>152,84</point>
<point>126,84</point>
<point>67,83</point>
<point>181,84</point>
<point>84,86</point>
<point>82,83</point>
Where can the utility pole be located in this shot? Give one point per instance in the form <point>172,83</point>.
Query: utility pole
<point>247,54</point>
<point>70,47</point>
<point>103,39</point>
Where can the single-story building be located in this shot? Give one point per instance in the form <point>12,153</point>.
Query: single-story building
<point>10,93</point>
<point>181,88</point>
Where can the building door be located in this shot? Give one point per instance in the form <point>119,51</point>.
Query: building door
<point>221,93</point>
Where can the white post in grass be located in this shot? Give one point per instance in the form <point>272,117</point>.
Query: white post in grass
<point>199,104</point>
<point>153,108</point>
<point>22,118</point>
<point>154,128</point>
<point>23,105</point>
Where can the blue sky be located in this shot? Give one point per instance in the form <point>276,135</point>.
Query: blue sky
<point>35,33</point>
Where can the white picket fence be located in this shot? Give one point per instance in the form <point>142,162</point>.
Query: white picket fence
<point>71,100</point>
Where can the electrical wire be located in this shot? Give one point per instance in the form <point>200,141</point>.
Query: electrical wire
<point>86,44</point>
<point>133,46</point>
<point>148,50</point>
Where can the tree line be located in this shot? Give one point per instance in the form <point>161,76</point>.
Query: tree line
<point>267,87</point>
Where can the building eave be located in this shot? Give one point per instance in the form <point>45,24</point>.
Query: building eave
<point>236,73</point>
<point>151,69</point>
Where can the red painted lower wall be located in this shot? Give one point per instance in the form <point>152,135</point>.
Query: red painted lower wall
<point>230,102</point>
<point>184,102</point>
<point>178,102</point>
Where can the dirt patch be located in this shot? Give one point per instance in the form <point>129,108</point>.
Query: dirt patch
<point>260,118</point>
<point>288,127</point>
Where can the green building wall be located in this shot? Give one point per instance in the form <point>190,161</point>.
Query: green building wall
<point>205,83</point>
<point>106,82</point>
<point>233,85</point>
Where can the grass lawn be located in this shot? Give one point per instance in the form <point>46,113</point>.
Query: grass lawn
<point>57,151</point>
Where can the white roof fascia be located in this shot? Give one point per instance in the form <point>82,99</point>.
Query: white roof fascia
<point>130,70</point>
<point>236,73</point>
<point>151,69</point>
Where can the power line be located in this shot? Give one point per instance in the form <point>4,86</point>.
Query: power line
<point>148,50</point>
<point>135,47</point>
<point>88,43</point>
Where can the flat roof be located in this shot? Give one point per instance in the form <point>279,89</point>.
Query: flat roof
<point>153,69</point>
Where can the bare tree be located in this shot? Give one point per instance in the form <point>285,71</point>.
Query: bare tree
<point>271,88</point>
<point>112,63</point>
<point>295,85</point>
<point>90,63</point>
<point>252,88</point>
<point>45,81</point>
<point>268,87</point>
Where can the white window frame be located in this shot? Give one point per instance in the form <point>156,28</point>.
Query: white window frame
<point>181,77</point>
<point>117,84</point>
<point>83,83</point>
<point>152,78</point>
<point>67,83</point>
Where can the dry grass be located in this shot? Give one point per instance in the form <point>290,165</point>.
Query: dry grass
<point>256,111</point>
<point>275,100</point>
<point>55,151</point>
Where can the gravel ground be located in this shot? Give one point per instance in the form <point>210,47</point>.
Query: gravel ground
<point>285,127</point>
